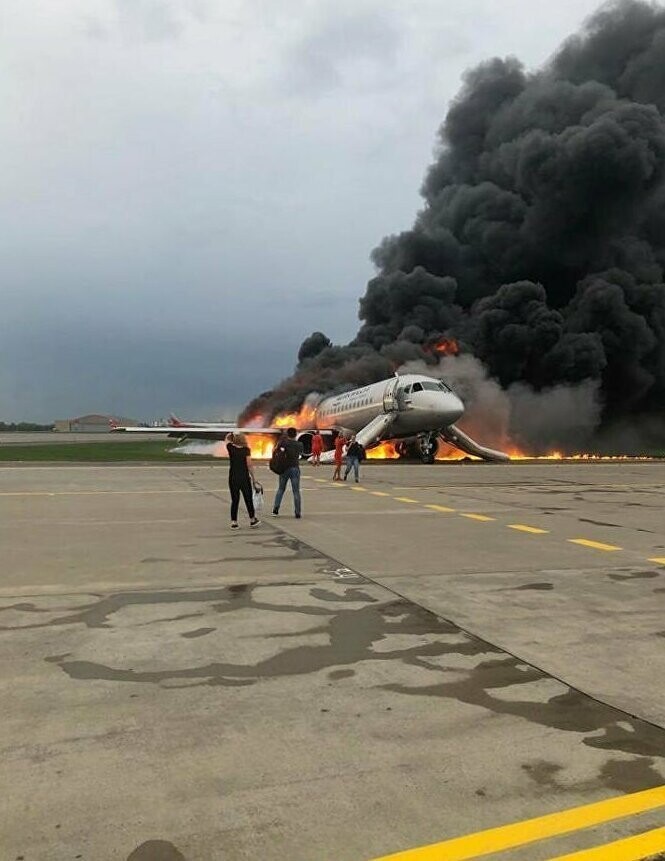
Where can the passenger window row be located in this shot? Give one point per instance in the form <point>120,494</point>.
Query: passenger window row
<point>427,385</point>
<point>343,408</point>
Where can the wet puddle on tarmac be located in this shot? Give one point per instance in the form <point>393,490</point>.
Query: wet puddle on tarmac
<point>333,627</point>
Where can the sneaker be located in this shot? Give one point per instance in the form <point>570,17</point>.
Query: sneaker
<point>234,525</point>
<point>357,481</point>
<point>275,513</point>
<point>298,516</point>
<point>255,522</point>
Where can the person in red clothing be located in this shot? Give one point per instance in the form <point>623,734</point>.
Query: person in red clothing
<point>317,448</point>
<point>340,442</point>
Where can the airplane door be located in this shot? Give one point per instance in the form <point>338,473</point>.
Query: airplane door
<point>390,404</point>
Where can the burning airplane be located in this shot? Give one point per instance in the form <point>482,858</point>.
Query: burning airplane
<point>413,407</point>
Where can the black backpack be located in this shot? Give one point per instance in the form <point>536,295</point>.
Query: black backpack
<point>279,460</point>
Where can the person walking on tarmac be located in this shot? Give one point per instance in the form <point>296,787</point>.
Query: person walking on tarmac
<point>317,448</point>
<point>291,451</point>
<point>241,477</point>
<point>354,454</point>
<point>340,442</point>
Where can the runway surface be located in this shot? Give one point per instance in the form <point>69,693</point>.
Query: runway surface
<point>423,659</point>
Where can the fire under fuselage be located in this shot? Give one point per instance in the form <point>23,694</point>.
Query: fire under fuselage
<point>419,403</point>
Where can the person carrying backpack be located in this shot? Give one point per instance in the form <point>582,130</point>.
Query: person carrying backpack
<point>286,459</point>
<point>355,452</point>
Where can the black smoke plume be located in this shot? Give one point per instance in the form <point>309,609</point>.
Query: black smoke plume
<point>541,243</point>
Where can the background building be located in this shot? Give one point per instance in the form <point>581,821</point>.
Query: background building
<point>92,423</point>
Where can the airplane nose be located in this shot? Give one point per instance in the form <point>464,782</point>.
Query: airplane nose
<point>457,409</point>
<point>451,409</point>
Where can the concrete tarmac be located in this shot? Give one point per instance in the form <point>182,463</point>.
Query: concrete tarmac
<point>430,653</point>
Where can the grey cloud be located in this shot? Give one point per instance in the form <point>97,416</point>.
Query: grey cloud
<point>353,48</point>
<point>146,20</point>
<point>58,373</point>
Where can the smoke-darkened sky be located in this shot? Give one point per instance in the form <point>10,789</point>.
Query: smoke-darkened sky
<point>190,187</point>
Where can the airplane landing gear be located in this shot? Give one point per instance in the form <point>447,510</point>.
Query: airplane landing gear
<point>402,449</point>
<point>428,447</point>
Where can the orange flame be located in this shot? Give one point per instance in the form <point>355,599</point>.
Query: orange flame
<point>261,445</point>
<point>445,347</point>
<point>388,451</point>
<point>383,451</point>
<point>302,420</point>
<point>450,454</point>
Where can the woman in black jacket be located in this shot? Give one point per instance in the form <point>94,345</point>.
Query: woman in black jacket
<point>241,477</point>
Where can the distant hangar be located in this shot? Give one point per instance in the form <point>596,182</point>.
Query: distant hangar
<point>93,423</point>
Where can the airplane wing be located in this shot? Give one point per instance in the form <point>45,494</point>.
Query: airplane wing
<point>211,431</point>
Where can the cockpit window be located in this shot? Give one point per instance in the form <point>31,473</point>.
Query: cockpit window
<point>431,387</point>
<point>417,387</point>
<point>444,387</point>
<point>406,390</point>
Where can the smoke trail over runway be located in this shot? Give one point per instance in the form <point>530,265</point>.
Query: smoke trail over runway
<point>541,243</point>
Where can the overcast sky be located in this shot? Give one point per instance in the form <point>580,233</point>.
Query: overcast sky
<point>190,187</point>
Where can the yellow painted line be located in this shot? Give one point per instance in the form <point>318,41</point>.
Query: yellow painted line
<point>379,493</point>
<point>596,545</point>
<point>521,527</point>
<point>405,499</point>
<point>359,489</point>
<point>443,508</point>
<point>321,480</point>
<point>530,830</point>
<point>630,849</point>
<point>658,560</point>
<point>483,518</point>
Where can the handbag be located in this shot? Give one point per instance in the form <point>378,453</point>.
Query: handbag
<point>257,497</point>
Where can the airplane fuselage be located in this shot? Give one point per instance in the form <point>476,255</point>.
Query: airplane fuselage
<point>419,403</point>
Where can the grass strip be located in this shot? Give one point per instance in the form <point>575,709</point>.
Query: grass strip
<point>159,451</point>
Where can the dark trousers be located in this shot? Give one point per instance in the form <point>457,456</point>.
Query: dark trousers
<point>236,488</point>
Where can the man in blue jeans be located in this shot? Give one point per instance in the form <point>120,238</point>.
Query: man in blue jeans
<point>354,454</point>
<point>293,451</point>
